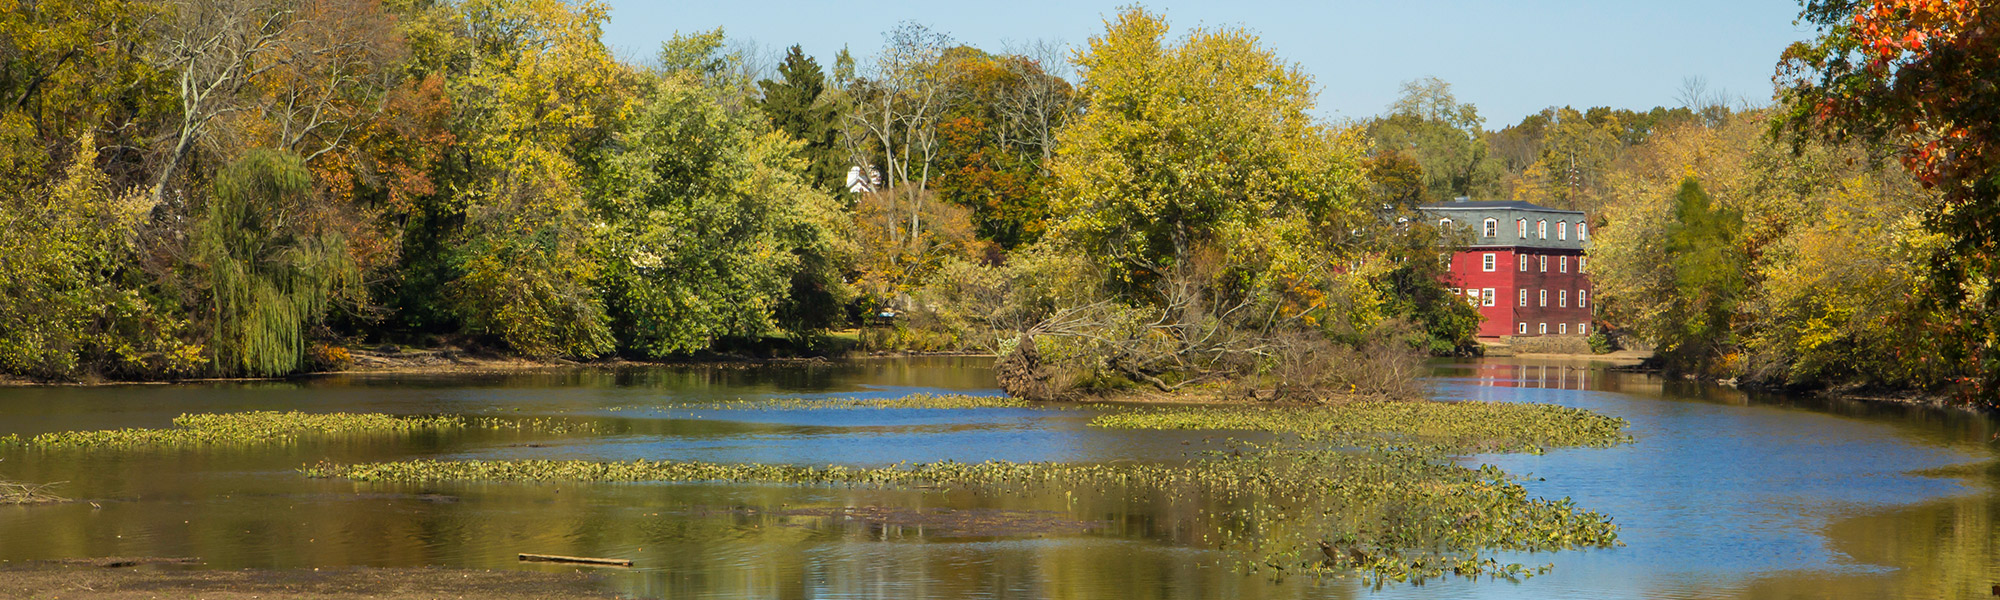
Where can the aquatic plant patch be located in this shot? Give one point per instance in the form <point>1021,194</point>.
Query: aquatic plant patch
<point>1388,515</point>
<point>912,401</point>
<point>1454,426</point>
<point>264,427</point>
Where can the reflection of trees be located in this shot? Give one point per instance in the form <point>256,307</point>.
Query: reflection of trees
<point>1943,549</point>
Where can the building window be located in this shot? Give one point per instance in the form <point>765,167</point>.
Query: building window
<point>1487,298</point>
<point>1472,297</point>
<point>1581,261</point>
<point>1564,327</point>
<point>1545,298</point>
<point>1583,298</point>
<point>1582,328</point>
<point>1582,232</point>
<point>1444,260</point>
<point>1562,233</point>
<point>1523,260</point>
<point>1521,229</point>
<point>1490,229</point>
<point>1562,299</point>
<point>1489,263</point>
<point>1545,263</point>
<point>1524,328</point>
<point>1455,291</point>
<point>1542,229</point>
<point>1544,329</point>
<point>1565,264</point>
<point>1444,223</point>
<point>1524,299</point>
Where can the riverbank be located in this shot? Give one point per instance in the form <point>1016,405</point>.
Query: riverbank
<point>120,578</point>
<point>452,361</point>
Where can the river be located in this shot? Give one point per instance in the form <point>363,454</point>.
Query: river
<point>1722,495</point>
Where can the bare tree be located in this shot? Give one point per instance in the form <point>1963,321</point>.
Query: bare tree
<point>897,104</point>
<point>1033,111</point>
<point>298,64</point>
<point>336,62</point>
<point>215,48</point>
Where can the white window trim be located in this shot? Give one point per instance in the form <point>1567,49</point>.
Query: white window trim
<point>1564,326</point>
<point>1583,298</point>
<point>1490,229</point>
<point>1544,329</point>
<point>1542,228</point>
<point>1562,233</point>
<point>1582,232</point>
<point>1524,299</point>
<point>1580,262</point>
<point>1521,227</point>
<point>1444,223</point>
<point>1523,260</point>
<point>1524,328</point>
<point>1562,299</point>
<point>1565,264</point>
<point>1486,298</point>
<point>1544,299</point>
<point>1544,260</point>
<point>1489,263</point>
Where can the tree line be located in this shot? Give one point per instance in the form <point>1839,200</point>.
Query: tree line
<point>255,187</point>
<point>251,187</point>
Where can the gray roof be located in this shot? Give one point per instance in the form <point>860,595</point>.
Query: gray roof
<point>1545,227</point>
<point>1493,205</point>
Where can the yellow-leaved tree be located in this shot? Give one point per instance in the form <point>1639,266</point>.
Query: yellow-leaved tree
<point>1223,218</point>
<point>540,95</point>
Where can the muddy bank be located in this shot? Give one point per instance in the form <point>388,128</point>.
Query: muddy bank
<point>148,578</point>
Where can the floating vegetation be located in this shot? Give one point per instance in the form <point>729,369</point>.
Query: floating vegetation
<point>912,401</point>
<point>14,492</point>
<point>1453,426</point>
<point>1389,515</point>
<point>264,427</point>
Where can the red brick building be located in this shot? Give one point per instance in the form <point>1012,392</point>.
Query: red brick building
<point>1523,265</point>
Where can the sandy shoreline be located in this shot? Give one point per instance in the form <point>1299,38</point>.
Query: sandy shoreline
<point>148,578</point>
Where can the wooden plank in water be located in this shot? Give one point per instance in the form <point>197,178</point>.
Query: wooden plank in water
<point>616,562</point>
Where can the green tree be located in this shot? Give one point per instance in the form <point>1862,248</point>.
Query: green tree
<point>73,302</point>
<point>796,105</point>
<point>1430,125</point>
<point>269,269</point>
<point>716,232</point>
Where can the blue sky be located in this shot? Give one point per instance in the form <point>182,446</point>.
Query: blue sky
<point>1509,58</point>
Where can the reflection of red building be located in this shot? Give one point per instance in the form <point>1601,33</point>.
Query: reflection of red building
<point>1523,265</point>
<point>1558,377</point>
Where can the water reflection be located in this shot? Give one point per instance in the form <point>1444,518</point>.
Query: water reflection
<point>1724,494</point>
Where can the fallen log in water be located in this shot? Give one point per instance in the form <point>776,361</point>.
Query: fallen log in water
<point>616,562</point>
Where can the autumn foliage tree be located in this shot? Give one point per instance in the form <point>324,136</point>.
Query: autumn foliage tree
<point>1919,76</point>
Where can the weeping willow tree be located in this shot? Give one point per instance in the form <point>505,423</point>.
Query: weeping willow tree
<point>271,273</point>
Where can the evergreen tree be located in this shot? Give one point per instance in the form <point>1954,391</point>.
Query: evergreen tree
<point>1708,276</point>
<point>794,107</point>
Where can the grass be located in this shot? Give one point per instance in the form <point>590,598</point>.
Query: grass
<point>268,427</point>
<point>1454,426</point>
<point>14,492</point>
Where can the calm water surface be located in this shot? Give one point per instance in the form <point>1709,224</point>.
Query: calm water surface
<point>1724,495</point>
